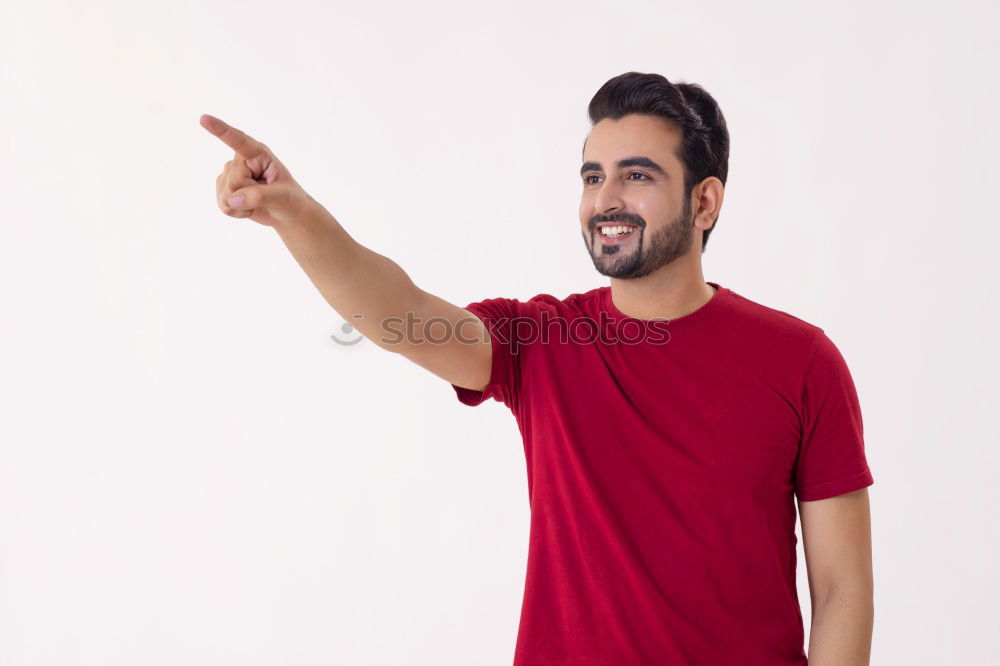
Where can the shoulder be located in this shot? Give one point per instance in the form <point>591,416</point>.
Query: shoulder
<point>771,338</point>
<point>578,303</point>
<point>510,308</point>
<point>770,321</point>
<point>585,302</point>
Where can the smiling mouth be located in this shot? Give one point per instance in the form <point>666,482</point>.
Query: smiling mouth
<point>613,234</point>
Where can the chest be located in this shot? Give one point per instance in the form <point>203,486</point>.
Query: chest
<point>698,418</point>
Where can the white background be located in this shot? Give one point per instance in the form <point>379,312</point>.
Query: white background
<point>192,472</point>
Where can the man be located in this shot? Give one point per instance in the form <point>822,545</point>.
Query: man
<point>669,423</point>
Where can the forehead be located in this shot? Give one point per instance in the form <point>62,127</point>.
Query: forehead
<point>650,136</point>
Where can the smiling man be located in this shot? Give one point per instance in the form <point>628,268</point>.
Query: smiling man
<point>670,425</point>
<point>608,239</point>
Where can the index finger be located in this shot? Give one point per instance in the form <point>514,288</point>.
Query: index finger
<point>245,145</point>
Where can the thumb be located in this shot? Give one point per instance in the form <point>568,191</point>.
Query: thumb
<point>258,196</point>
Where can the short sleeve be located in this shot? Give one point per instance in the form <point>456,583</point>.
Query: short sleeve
<point>831,459</point>
<point>501,317</point>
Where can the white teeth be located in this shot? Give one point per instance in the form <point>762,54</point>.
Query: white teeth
<point>615,231</point>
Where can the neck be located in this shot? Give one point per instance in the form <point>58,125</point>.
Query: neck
<point>670,292</point>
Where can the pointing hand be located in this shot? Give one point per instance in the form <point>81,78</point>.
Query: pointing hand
<point>270,196</point>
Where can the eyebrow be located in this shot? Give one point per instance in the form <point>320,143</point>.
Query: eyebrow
<point>638,161</point>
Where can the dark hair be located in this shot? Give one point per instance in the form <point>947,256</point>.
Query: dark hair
<point>704,148</point>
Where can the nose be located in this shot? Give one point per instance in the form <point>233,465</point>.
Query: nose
<point>609,198</point>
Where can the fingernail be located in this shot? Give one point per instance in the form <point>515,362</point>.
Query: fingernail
<point>237,201</point>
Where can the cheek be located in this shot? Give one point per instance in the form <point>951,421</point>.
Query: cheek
<point>653,210</point>
<point>646,206</point>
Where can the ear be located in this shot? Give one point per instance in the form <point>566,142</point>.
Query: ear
<point>706,202</point>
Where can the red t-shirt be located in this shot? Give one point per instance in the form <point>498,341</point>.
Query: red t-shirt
<point>663,459</point>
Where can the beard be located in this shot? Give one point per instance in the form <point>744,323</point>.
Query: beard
<point>647,255</point>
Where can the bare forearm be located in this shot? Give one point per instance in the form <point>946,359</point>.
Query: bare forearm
<point>841,630</point>
<point>351,278</point>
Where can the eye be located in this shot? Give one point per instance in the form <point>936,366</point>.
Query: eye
<point>587,179</point>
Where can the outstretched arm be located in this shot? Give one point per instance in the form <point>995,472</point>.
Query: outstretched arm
<point>367,289</point>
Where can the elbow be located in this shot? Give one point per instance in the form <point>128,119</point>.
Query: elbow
<point>857,593</point>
